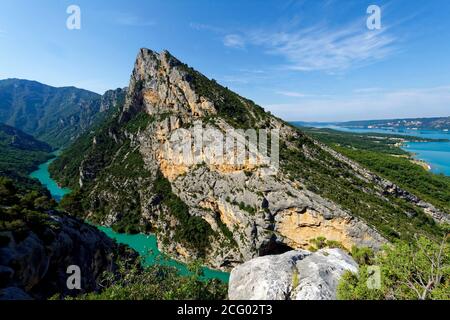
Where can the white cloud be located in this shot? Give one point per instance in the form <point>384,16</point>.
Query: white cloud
<point>233,41</point>
<point>327,49</point>
<point>407,103</point>
<point>317,47</point>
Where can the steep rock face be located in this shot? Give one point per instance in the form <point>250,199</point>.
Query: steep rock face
<point>130,176</point>
<point>216,192</point>
<point>112,99</point>
<point>34,267</point>
<point>294,275</point>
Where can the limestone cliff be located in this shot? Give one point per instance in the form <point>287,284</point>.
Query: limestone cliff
<point>129,174</point>
<point>33,264</point>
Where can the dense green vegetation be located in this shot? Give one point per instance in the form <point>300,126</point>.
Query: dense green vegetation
<point>238,111</point>
<point>363,255</point>
<point>20,154</point>
<point>378,142</point>
<point>108,137</point>
<point>109,163</point>
<point>53,115</point>
<point>22,212</point>
<point>323,174</point>
<point>25,212</point>
<point>192,231</point>
<point>408,270</point>
<point>157,282</point>
<point>381,154</point>
<point>409,176</point>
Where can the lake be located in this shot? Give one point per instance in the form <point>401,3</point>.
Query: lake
<point>145,245</point>
<point>436,154</point>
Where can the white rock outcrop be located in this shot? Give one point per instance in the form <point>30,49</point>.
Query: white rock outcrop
<point>294,275</point>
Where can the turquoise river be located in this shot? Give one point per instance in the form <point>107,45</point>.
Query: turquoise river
<point>144,244</point>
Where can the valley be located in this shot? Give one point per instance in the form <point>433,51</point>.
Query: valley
<point>432,146</point>
<point>144,244</point>
<point>336,201</point>
<point>389,155</point>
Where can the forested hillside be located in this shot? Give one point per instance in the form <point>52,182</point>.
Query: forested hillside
<point>20,154</point>
<point>54,115</point>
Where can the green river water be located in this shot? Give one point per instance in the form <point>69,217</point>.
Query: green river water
<point>144,244</point>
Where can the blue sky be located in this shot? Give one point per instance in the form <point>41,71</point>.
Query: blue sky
<point>307,60</point>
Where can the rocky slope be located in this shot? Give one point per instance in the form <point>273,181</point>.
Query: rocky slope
<point>38,244</point>
<point>127,174</point>
<point>54,115</point>
<point>294,275</point>
<point>35,267</point>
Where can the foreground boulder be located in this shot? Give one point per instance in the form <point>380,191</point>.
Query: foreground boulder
<point>294,275</point>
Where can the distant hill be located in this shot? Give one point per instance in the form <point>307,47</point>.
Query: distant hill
<point>438,123</point>
<point>54,115</point>
<point>20,154</point>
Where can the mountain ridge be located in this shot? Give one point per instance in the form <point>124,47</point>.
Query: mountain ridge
<point>56,115</point>
<point>124,177</point>
<point>438,123</point>
<point>20,154</point>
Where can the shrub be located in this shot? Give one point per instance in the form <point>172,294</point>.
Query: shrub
<point>158,282</point>
<point>409,270</point>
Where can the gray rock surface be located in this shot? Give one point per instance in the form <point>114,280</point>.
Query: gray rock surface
<point>252,212</point>
<point>294,275</point>
<point>264,213</point>
<point>35,267</point>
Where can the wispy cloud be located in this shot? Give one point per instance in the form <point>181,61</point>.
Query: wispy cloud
<point>327,49</point>
<point>315,47</point>
<point>233,41</point>
<point>416,102</point>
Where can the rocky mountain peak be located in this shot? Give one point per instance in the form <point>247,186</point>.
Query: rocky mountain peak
<point>135,178</point>
<point>161,84</point>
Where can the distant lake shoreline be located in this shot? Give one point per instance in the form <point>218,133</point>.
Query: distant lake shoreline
<point>435,153</point>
